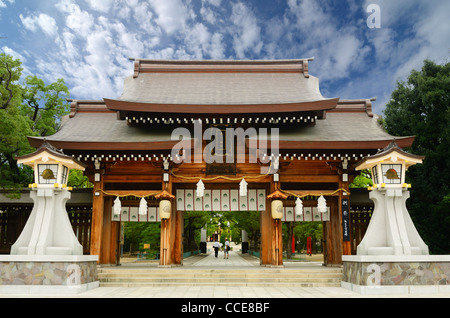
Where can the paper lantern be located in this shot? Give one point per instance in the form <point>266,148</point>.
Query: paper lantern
<point>321,204</point>
<point>117,206</point>
<point>243,188</point>
<point>165,209</point>
<point>298,207</point>
<point>143,207</point>
<point>200,189</point>
<point>277,209</point>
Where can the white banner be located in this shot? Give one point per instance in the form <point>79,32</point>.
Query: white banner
<point>221,200</point>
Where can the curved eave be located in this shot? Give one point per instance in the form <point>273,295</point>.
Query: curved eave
<point>120,105</point>
<point>25,158</point>
<point>107,146</point>
<point>341,145</point>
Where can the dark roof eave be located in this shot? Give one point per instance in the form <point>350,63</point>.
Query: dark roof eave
<point>106,146</point>
<point>319,105</point>
<point>342,145</point>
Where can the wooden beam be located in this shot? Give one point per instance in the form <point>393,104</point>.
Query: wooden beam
<point>133,178</point>
<point>309,178</point>
<point>137,193</point>
<point>315,193</point>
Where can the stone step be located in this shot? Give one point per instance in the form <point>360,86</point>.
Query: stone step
<point>225,277</point>
<point>225,284</point>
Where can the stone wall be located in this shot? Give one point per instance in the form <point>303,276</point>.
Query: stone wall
<point>402,273</point>
<point>47,273</point>
<point>371,274</point>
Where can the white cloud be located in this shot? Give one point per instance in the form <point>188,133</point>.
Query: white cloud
<point>100,5</point>
<point>94,39</point>
<point>78,20</point>
<point>4,5</point>
<point>338,49</point>
<point>247,32</point>
<point>14,54</point>
<point>172,14</point>
<point>43,21</point>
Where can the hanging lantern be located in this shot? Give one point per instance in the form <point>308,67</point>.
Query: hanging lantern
<point>165,205</point>
<point>143,207</point>
<point>243,188</point>
<point>322,204</point>
<point>165,209</point>
<point>298,207</point>
<point>277,209</point>
<point>200,189</point>
<point>117,206</point>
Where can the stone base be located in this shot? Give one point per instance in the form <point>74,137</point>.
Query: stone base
<point>396,274</point>
<point>48,274</point>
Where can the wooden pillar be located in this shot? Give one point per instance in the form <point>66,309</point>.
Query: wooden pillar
<point>346,245</point>
<point>271,235</point>
<point>109,234</point>
<point>164,255</point>
<point>333,233</point>
<point>97,219</point>
<point>171,236</point>
<point>178,243</point>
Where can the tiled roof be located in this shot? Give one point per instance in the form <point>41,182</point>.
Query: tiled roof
<point>230,87</point>
<point>221,88</point>
<point>106,128</point>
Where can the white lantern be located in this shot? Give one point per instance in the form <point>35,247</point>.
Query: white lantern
<point>298,207</point>
<point>200,189</point>
<point>243,188</point>
<point>51,166</point>
<point>143,207</point>
<point>322,204</point>
<point>165,209</point>
<point>117,206</point>
<point>277,209</point>
<point>388,167</point>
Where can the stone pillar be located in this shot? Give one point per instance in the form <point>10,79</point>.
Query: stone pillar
<point>391,230</point>
<point>48,230</point>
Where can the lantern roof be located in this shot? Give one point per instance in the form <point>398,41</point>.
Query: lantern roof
<point>392,153</point>
<point>47,153</point>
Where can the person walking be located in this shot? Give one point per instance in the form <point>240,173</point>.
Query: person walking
<point>227,249</point>
<point>216,247</point>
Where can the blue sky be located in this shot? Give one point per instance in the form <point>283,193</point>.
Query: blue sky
<point>88,42</point>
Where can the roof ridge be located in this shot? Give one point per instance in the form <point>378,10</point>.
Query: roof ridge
<point>287,65</point>
<point>259,61</point>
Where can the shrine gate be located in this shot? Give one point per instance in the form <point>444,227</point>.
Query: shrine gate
<point>305,145</point>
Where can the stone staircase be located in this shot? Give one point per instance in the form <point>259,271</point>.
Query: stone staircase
<point>251,276</point>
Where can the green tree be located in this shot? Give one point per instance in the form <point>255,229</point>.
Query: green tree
<point>250,222</point>
<point>14,126</point>
<point>421,107</point>
<point>303,230</point>
<point>31,108</point>
<point>193,223</point>
<point>363,180</point>
<point>45,104</point>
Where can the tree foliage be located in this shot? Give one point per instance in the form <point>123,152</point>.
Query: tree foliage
<point>27,108</point>
<point>421,107</point>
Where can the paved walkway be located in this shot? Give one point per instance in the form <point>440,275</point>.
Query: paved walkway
<point>209,292</point>
<point>234,260</point>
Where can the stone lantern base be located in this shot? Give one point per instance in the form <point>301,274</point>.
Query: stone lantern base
<point>396,274</point>
<point>48,274</point>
